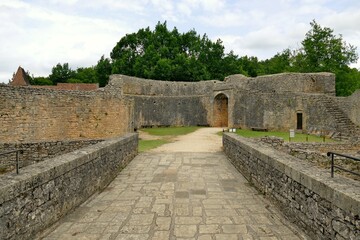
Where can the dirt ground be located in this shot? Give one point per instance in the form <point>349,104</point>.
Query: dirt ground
<point>202,140</point>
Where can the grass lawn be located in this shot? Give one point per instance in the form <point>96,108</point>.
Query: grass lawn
<point>166,135</point>
<point>285,135</point>
<point>169,131</point>
<point>146,145</point>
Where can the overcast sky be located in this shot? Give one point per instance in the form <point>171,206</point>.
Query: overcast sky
<point>38,34</point>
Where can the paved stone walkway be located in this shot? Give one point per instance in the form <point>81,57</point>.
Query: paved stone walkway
<point>176,196</point>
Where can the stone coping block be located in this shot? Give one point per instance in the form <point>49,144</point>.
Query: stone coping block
<point>323,207</point>
<point>50,189</point>
<point>343,192</point>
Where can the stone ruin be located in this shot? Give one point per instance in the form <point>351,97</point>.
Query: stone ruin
<point>305,102</point>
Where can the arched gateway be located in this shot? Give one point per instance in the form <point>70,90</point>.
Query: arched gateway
<point>220,110</point>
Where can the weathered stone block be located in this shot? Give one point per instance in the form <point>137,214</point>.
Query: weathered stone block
<point>42,193</point>
<point>324,207</point>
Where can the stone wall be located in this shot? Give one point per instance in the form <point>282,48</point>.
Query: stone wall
<point>351,106</point>
<point>287,82</point>
<point>316,153</point>
<point>162,103</point>
<point>126,103</point>
<point>324,207</point>
<point>43,193</point>
<point>34,152</point>
<point>268,101</point>
<point>70,86</point>
<point>169,111</point>
<point>278,111</point>
<point>28,114</point>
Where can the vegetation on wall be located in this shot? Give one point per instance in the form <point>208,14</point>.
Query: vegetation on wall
<point>165,54</point>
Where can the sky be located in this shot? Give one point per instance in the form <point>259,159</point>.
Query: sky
<point>38,34</point>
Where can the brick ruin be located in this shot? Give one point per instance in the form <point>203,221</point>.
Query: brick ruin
<point>20,79</point>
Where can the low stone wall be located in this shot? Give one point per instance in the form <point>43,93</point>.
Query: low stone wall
<point>34,152</point>
<point>42,193</point>
<point>326,147</point>
<point>316,153</point>
<point>324,207</point>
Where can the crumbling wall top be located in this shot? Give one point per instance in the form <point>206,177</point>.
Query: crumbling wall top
<point>287,82</point>
<point>138,86</point>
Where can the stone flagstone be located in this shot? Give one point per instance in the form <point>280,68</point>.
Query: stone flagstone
<point>176,196</point>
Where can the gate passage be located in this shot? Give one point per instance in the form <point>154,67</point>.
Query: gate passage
<point>221,110</point>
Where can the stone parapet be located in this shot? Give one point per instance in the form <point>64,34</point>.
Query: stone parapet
<point>43,193</point>
<point>324,207</point>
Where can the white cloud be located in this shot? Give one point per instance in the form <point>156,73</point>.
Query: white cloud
<point>40,38</point>
<point>38,34</point>
<point>65,2</point>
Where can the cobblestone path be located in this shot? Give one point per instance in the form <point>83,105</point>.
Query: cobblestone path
<point>176,196</point>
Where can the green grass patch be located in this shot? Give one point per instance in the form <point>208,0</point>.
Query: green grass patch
<point>166,134</point>
<point>169,131</point>
<point>146,145</point>
<point>299,137</point>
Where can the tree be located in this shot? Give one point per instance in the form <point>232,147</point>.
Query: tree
<point>281,62</point>
<point>41,81</point>
<point>103,71</point>
<point>169,55</point>
<point>347,81</point>
<point>323,51</point>
<point>61,73</point>
<point>250,66</point>
<point>84,75</point>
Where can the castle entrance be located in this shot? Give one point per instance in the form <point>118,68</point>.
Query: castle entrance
<point>221,110</point>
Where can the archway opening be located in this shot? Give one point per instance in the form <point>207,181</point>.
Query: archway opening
<point>221,110</point>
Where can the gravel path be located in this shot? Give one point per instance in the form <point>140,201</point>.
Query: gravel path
<point>202,140</point>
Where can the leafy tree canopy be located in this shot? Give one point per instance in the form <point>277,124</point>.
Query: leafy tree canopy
<point>165,54</point>
<point>169,55</point>
<point>323,51</point>
<point>61,73</point>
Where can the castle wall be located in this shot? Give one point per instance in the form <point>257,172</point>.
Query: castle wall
<point>278,111</point>
<point>270,102</point>
<point>287,82</point>
<point>162,103</point>
<point>169,111</point>
<point>28,114</point>
<point>351,106</point>
<point>70,86</point>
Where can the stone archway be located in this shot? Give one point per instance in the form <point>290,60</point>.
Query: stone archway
<point>221,110</point>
